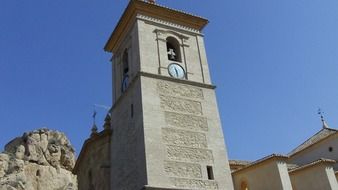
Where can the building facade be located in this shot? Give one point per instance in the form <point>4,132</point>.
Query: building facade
<point>166,130</point>
<point>310,166</point>
<point>163,131</point>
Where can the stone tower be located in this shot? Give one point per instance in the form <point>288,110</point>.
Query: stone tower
<point>166,130</point>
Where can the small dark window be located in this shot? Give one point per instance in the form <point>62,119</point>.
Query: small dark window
<point>330,149</point>
<point>125,61</point>
<point>173,49</point>
<point>90,176</point>
<point>90,181</point>
<point>38,174</point>
<point>125,76</point>
<point>210,173</point>
<point>132,110</point>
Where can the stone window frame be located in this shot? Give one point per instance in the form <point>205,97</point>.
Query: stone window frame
<point>161,37</point>
<point>173,43</point>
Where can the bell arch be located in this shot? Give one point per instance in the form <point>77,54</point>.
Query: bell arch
<point>173,49</point>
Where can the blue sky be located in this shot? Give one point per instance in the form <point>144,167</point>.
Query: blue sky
<point>274,63</point>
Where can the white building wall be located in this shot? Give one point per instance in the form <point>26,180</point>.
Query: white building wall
<point>269,175</point>
<point>317,151</point>
<point>319,177</point>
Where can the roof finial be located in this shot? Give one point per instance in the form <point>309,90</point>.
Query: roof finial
<point>325,125</point>
<point>106,125</point>
<point>152,1</point>
<point>94,127</point>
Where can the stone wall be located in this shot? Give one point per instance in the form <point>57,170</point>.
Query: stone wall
<point>127,145</point>
<point>182,120</point>
<point>183,145</point>
<point>93,165</point>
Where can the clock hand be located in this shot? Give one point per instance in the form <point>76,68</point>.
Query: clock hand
<point>176,72</point>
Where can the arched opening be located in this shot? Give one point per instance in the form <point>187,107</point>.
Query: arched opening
<point>173,49</point>
<point>244,185</point>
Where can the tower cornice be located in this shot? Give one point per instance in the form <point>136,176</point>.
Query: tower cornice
<point>136,7</point>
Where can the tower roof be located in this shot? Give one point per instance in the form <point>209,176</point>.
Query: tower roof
<point>136,7</point>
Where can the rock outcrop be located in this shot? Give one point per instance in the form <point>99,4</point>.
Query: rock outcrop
<point>39,160</point>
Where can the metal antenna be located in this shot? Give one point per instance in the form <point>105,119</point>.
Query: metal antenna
<point>325,125</point>
<point>101,106</point>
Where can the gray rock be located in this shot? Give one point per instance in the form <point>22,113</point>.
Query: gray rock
<point>41,159</point>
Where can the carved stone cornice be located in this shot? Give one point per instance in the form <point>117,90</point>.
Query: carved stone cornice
<point>137,7</point>
<point>180,36</point>
<point>181,81</point>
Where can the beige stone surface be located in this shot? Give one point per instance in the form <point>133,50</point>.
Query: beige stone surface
<point>41,159</point>
<point>182,169</point>
<point>189,154</point>
<point>194,184</point>
<point>186,121</point>
<point>265,174</point>
<point>172,89</point>
<point>184,134</point>
<point>187,106</point>
<point>319,176</point>
<point>128,164</point>
<point>184,138</point>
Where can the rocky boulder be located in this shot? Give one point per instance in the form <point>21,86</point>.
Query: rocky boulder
<point>39,160</point>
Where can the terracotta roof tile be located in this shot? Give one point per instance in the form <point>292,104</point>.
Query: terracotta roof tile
<point>176,10</point>
<point>257,162</point>
<point>292,166</point>
<point>239,162</point>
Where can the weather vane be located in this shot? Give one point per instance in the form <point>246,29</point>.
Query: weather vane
<point>94,127</point>
<point>320,112</point>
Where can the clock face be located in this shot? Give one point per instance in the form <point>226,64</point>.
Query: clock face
<point>176,71</point>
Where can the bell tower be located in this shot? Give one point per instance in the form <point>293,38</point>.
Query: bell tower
<point>166,130</point>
